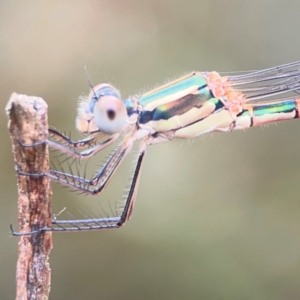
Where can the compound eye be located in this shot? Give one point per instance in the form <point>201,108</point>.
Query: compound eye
<point>110,114</point>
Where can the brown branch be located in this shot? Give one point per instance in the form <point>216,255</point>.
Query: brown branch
<point>28,125</point>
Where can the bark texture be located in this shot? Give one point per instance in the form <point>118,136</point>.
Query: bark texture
<point>28,125</point>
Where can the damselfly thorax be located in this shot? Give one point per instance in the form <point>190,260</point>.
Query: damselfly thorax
<point>192,105</point>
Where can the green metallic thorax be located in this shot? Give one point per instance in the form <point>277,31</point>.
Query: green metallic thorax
<point>172,106</point>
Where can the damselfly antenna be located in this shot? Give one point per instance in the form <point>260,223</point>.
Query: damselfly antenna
<point>89,80</point>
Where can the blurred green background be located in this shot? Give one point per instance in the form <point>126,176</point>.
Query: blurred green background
<point>215,218</point>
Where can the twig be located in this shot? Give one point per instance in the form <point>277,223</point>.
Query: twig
<point>28,125</point>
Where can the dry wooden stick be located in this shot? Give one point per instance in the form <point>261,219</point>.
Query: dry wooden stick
<point>28,125</point>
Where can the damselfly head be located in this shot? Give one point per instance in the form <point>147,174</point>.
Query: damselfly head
<point>103,110</point>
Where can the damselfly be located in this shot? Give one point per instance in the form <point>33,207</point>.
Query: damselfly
<point>192,105</point>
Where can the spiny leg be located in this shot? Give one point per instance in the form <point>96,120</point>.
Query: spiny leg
<point>132,193</point>
<point>67,178</point>
<point>68,147</point>
<point>108,222</point>
<point>67,140</point>
<point>95,185</point>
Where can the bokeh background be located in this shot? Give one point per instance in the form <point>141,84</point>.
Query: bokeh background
<point>217,217</point>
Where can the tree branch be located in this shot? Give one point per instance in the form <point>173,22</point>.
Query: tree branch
<point>28,125</point>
